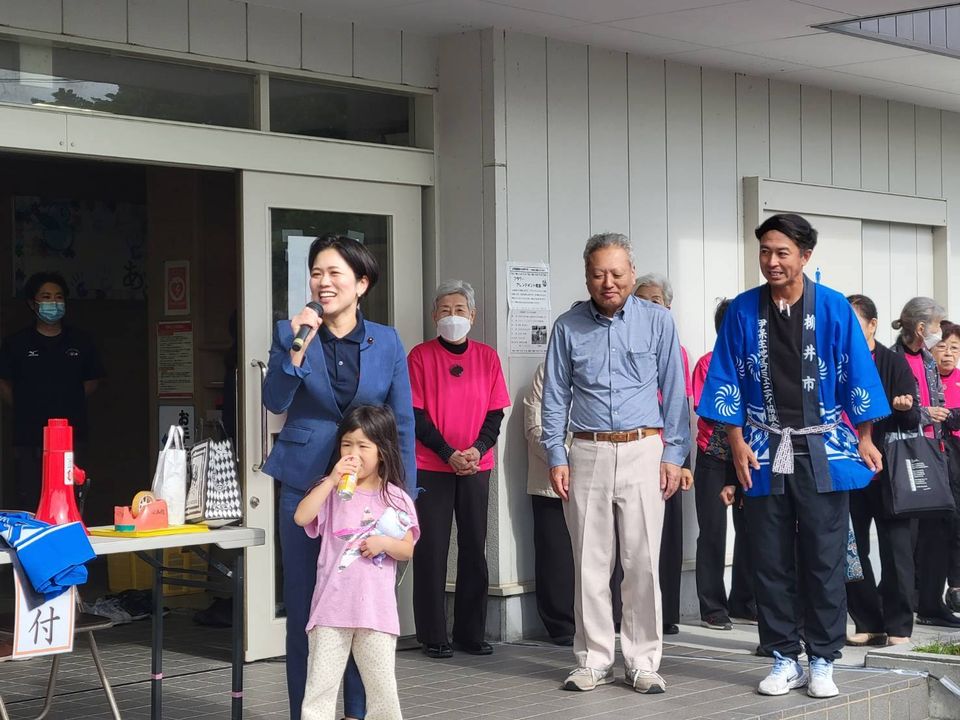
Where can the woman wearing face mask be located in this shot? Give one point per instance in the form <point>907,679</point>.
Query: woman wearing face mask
<point>47,370</point>
<point>345,361</point>
<point>919,327</point>
<point>947,355</point>
<point>458,398</point>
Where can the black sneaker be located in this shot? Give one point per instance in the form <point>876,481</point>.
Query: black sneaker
<point>439,651</point>
<point>953,599</point>
<point>474,648</point>
<point>946,619</point>
<point>671,629</point>
<point>717,622</point>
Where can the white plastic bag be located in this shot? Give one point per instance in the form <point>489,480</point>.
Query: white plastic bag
<point>170,478</point>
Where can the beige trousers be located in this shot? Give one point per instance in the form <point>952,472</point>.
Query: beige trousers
<point>616,482</point>
<point>375,653</point>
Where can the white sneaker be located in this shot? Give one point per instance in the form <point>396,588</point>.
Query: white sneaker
<point>584,678</point>
<point>645,681</point>
<point>786,675</point>
<point>821,679</point>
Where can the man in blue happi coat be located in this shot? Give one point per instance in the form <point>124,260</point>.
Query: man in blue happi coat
<point>789,362</point>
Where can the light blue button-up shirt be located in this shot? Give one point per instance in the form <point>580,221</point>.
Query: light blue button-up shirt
<point>604,374</point>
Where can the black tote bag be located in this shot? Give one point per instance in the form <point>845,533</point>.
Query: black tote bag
<point>919,478</point>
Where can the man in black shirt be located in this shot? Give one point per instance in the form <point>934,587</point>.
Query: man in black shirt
<point>47,371</point>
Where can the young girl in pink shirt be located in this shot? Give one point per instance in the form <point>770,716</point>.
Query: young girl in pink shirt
<point>354,608</point>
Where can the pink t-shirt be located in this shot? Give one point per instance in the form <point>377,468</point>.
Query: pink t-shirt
<point>687,384</point>
<point>456,392</point>
<point>705,428</point>
<point>951,391</point>
<point>915,361</point>
<point>353,591</point>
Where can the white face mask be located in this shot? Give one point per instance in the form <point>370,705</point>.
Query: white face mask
<point>453,328</point>
<point>931,339</point>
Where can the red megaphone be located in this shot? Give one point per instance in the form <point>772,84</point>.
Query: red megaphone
<point>58,505</point>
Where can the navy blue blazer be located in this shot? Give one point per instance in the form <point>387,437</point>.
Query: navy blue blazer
<point>302,452</point>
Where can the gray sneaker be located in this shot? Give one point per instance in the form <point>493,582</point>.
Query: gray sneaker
<point>583,679</point>
<point>645,681</point>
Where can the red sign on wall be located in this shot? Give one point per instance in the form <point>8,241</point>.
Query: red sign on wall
<point>176,284</point>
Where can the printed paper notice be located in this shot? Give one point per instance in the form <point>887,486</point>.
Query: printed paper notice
<point>528,286</point>
<point>41,627</point>
<point>175,359</point>
<point>529,331</point>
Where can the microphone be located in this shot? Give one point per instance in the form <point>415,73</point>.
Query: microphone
<point>301,337</point>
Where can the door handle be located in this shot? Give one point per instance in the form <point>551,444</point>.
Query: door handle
<point>263,416</point>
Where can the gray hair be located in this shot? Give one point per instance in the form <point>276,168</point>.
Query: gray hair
<point>605,240</point>
<point>657,280</point>
<point>918,310</point>
<point>455,287</point>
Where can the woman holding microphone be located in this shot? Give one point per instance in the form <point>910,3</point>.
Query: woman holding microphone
<point>344,361</point>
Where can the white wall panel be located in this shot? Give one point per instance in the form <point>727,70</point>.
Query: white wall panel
<point>647,137</point>
<point>684,197</point>
<point>815,141</point>
<point>925,285</point>
<point>96,19</point>
<point>839,253</point>
<point>784,130</point>
<point>327,45</point>
<point>218,28</point>
<point>720,236</point>
<point>525,80</point>
<point>377,54</point>
<point>568,125</point>
<point>903,148</point>
<point>845,138</point>
<point>753,158</point>
<point>903,266</point>
<point>419,67</point>
<point>156,26</point>
<point>273,36</point>
<point>950,153</point>
<point>609,177</point>
<point>876,274</point>
<point>928,152</point>
<point>43,15</point>
<point>874,144</point>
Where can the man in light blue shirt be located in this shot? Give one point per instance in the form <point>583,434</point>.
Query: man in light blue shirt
<point>614,376</point>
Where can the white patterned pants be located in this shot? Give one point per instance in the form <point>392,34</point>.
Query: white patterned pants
<point>375,653</point>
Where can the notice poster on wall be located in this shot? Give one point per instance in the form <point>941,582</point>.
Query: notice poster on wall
<point>528,300</point>
<point>176,284</point>
<point>182,415</point>
<point>175,359</point>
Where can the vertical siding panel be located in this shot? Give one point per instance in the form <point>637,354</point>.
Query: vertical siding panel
<point>925,261</point>
<point>950,150</point>
<point>568,126</point>
<point>903,148</point>
<point>753,158</point>
<point>327,45</point>
<point>525,81</point>
<point>648,159</point>
<point>928,152</point>
<point>876,274</point>
<point>874,144</point>
<point>609,174</point>
<point>845,143</point>
<point>784,130</point>
<point>684,196</point>
<point>815,135</point>
<point>377,54</point>
<point>719,196</point>
<point>903,266</point>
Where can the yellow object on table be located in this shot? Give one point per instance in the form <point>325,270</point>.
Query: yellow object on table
<point>110,531</point>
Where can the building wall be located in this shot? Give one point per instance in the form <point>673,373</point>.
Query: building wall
<point>571,140</point>
<point>237,31</point>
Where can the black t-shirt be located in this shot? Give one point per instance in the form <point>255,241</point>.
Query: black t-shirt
<point>47,376</point>
<point>786,369</point>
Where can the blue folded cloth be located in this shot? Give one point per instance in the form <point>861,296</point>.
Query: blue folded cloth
<point>52,556</point>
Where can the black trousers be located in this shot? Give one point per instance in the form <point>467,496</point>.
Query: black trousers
<point>816,523</point>
<point>711,475</point>
<point>671,558</point>
<point>887,609</point>
<point>447,495</point>
<point>953,571</point>
<point>934,540</point>
<point>553,566</point>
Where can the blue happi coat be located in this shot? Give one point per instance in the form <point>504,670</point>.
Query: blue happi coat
<point>838,374</point>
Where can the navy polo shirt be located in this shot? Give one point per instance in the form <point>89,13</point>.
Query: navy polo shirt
<point>47,376</point>
<point>343,361</point>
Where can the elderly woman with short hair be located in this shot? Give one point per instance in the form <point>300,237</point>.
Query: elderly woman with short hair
<point>458,399</point>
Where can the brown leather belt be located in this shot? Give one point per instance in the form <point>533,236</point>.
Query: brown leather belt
<point>620,436</point>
